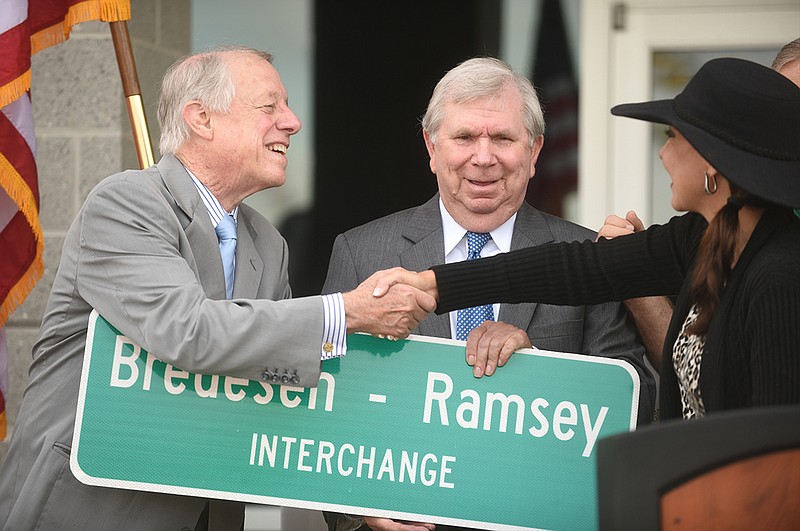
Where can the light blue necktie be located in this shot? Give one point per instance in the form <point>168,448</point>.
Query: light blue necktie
<point>226,231</point>
<point>469,318</point>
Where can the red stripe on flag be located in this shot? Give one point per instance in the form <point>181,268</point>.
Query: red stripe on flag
<point>19,245</point>
<point>16,57</point>
<point>45,13</point>
<point>18,153</point>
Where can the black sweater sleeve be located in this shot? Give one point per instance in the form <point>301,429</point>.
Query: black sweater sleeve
<point>651,262</point>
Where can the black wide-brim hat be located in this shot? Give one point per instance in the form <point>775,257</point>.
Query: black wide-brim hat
<point>744,119</point>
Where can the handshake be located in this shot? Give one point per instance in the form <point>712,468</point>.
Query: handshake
<point>391,303</point>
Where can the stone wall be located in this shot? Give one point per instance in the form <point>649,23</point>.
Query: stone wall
<point>83,134</point>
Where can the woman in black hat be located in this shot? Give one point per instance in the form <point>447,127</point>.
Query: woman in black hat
<point>733,153</point>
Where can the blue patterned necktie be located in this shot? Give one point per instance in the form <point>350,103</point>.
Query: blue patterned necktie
<point>469,318</point>
<point>226,231</point>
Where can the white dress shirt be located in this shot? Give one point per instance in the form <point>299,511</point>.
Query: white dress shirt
<point>455,247</point>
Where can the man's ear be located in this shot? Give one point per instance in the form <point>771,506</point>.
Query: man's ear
<point>198,119</point>
<point>536,148</point>
<point>431,150</point>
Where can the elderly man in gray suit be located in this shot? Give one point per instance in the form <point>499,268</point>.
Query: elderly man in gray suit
<point>484,131</point>
<point>143,252</point>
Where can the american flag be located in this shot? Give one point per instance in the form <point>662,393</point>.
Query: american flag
<point>557,168</point>
<point>27,27</point>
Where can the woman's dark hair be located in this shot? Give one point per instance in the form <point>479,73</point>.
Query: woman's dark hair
<point>717,248</point>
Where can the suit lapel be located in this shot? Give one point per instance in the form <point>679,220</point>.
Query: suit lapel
<point>249,265</point>
<point>530,229</point>
<point>196,225</point>
<point>424,232</point>
<point>205,247</point>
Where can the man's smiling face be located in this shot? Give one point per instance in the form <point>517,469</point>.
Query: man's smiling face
<point>254,134</point>
<point>483,159</point>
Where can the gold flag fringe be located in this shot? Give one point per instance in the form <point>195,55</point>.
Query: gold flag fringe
<point>19,192</point>
<point>14,90</point>
<point>105,10</point>
<point>10,180</point>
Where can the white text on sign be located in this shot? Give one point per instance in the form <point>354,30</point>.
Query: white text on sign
<point>468,412</point>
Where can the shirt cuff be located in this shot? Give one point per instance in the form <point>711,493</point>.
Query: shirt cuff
<point>334,336</point>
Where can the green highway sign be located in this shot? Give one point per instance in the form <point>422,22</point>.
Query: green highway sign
<point>399,429</point>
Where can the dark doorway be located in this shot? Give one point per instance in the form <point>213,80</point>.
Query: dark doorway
<point>376,66</point>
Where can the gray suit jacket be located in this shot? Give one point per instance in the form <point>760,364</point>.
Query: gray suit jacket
<point>143,252</point>
<point>414,240</point>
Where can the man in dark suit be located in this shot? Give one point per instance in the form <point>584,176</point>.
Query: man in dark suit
<point>143,252</point>
<point>484,131</point>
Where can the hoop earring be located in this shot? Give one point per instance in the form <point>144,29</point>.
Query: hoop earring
<point>710,190</point>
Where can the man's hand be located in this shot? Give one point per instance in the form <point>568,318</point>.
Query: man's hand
<point>491,344</point>
<point>616,226</point>
<point>385,524</point>
<point>424,281</point>
<point>395,314</point>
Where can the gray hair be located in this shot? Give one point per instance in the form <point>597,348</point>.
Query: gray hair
<point>481,77</point>
<point>787,54</point>
<point>204,77</point>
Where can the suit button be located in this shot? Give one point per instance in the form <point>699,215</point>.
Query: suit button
<point>295,378</point>
<point>266,375</point>
<point>276,377</point>
<point>285,378</point>
<point>327,347</point>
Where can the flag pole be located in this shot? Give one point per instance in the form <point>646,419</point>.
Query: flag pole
<point>133,94</point>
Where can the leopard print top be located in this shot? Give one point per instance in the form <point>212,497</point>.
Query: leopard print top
<point>686,357</point>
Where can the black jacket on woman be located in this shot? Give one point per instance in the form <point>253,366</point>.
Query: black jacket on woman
<point>752,350</point>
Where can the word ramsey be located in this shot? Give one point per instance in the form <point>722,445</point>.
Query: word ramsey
<point>468,412</point>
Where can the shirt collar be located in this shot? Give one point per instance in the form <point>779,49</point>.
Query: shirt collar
<point>215,210</point>
<point>454,235</point>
